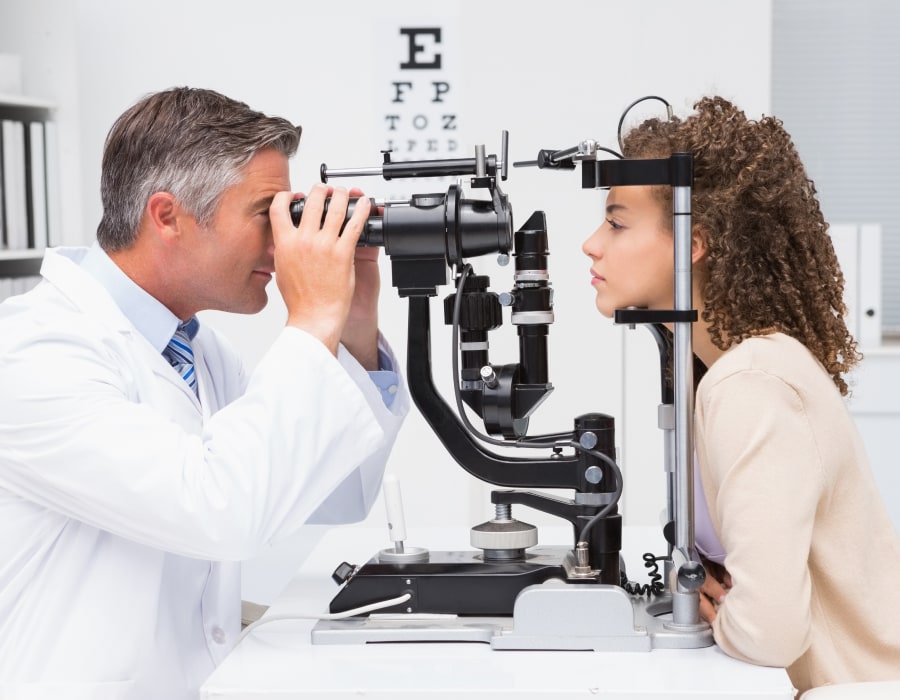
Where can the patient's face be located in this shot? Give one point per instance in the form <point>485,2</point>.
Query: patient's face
<point>632,253</point>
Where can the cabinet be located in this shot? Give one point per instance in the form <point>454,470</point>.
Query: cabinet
<point>876,381</point>
<point>875,408</point>
<point>27,189</point>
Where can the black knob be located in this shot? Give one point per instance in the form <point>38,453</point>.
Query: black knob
<point>343,572</point>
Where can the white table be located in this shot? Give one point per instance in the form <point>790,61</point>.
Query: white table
<point>278,660</point>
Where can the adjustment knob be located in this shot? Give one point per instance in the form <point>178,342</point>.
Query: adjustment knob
<point>504,535</point>
<point>343,572</point>
<point>691,576</point>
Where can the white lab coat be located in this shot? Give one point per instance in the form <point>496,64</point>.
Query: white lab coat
<point>126,504</point>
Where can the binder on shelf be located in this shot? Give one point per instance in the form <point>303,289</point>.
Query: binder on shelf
<point>4,244</point>
<point>15,205</point>
<point>37,229</point>
<point>51,164</point>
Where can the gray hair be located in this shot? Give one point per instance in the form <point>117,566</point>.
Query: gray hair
<point>190,142</point>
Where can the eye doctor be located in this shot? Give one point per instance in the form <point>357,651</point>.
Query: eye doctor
<point>132,484</point>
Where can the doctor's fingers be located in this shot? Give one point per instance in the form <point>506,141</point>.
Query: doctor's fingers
<point>328,213</point>
<point>314,209</point>
<point>312,215</point>
<point>335,209</point>
<point>280,214</point>
<point>356,223</point>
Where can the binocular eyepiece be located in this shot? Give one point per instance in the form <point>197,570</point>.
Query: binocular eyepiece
<point>441,225</point>
<point>371,230</point>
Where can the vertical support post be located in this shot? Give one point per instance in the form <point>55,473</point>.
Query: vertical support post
<point>686,603</point>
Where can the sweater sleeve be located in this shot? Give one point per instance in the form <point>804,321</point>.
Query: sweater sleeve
<point>762,462</point>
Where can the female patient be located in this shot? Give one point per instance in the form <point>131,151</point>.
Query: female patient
<point>810,562</point>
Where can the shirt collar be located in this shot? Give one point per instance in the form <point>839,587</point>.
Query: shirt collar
<point>146,313</point>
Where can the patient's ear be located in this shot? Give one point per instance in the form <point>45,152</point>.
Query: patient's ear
<point>699,241</point>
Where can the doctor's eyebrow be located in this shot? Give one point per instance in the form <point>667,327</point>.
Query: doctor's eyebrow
<point>262,203</point>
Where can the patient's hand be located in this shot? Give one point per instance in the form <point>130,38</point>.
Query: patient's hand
<point>713,590</point>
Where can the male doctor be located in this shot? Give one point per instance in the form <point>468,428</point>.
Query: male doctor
<point>135,472</point>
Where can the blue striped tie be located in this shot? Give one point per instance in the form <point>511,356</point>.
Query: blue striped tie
<point>179,353</point>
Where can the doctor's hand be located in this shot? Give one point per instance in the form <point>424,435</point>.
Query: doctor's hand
<point>361,330</point>
<point>315,263</point>
<point>713,590</point>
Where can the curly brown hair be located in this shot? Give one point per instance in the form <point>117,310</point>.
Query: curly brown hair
<point>770,261</point>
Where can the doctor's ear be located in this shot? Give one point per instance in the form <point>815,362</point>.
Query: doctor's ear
<point>163,213</point>
<point>699,243</point>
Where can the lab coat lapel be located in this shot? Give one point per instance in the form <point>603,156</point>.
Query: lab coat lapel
<point>164,371</point>
<point>61,269</point>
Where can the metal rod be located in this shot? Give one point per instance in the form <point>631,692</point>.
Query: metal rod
<point>564,154</point>
<point>352,172</point>
<point>684,384</point>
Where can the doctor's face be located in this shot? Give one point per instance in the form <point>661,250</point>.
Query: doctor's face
<point>632,253</point>
<point>233,258</point>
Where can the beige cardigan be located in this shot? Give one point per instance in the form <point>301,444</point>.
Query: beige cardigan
<point>813,555</point>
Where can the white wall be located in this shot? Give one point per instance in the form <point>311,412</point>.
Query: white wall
<point>552,78</point>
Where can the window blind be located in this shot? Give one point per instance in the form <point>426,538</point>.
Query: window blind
<point>836,87</point>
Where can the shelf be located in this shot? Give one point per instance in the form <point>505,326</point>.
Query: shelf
<point>25,108</point>
<point>22,101</point>
<point>20,263</point>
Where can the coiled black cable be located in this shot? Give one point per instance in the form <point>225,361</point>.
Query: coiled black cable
<point>656,585</point>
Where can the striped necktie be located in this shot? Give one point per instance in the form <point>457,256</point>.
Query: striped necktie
<point>179,353</point>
